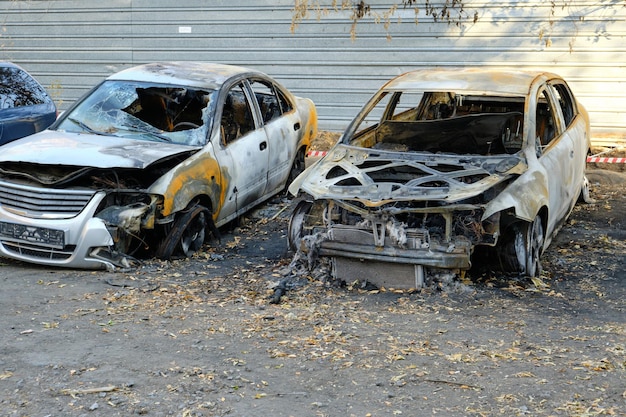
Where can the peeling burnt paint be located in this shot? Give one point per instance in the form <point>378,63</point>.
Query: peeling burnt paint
<point>78,149</point>
<point>142,165</point>
<point>450,161</point>
<point>200,175</point>
<point>191,73</point>
<point>379,177</point>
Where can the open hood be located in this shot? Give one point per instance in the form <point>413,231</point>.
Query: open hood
<point>81,149</point>
<point>376,177</point>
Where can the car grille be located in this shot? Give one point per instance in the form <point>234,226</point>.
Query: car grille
<point>35,251</point>
<point>36,202</point>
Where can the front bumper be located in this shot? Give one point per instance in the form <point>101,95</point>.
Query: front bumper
<point>82,236</point>
<point>367,255</point>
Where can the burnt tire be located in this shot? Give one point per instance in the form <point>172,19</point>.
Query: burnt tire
<point>585,193</point>
<point>521,248</point>
<point>187,235</point>
<point>297,222</point>
<point>296,167</point>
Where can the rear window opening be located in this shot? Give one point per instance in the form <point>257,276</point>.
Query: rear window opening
<point>18,89</point>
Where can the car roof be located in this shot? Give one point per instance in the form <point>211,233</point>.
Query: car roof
<point>501,81</point>
<point>7,64</point>
<point>197,74</point>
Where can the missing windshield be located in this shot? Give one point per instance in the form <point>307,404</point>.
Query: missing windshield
<point>169,109</point>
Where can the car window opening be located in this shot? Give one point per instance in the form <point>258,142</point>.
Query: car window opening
<point>18,89</point>
<point>169,109</point>
<point>237,117</point>
<point>444,122</point>
<point>272,102</point>
<point>267,100</point>
<point>544,120</point>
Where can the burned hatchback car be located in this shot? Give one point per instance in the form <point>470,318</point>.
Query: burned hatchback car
<point>150,162</point>
<point>438,164</point>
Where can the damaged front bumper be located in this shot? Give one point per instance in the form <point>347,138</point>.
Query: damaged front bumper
<point>350,242</point>
<point>355,256</point>
<point>396,246</point>
<point>383,216</point>
<point>56,228</point>
<point>368,255</point>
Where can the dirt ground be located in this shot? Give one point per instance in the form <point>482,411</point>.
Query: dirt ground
<point>206,337</point>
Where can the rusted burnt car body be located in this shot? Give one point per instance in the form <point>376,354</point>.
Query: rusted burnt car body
<point>150,162</point>
<point>439,163</point>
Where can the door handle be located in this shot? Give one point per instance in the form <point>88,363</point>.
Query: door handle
<point>296,126</point>
<point>263,145</point>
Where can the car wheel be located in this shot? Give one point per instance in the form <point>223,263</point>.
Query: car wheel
<point>585,193</point>
<point>521,248</point>
<point>187,234</point>
<point>297,222</point>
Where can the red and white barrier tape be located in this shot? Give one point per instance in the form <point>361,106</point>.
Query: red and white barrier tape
<point>605,160</point>
<point>590,159</point>
<point>316,154</point>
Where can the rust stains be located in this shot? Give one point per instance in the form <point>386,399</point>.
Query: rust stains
<point>198,176</point>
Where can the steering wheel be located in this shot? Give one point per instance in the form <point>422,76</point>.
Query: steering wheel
<point>183,125</point>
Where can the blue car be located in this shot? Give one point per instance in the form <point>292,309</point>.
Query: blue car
<point>25,106</point>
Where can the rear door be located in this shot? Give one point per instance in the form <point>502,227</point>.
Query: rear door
<point>555,152</point>
<point>243,152</point>
<point>281,123</point>
<point>576,133</point>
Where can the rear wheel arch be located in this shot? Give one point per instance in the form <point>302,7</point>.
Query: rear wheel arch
<point>297,165</point>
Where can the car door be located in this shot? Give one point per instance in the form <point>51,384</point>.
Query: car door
<point>554,150</point>
<point>576,134</point>
<point>19,122</point>
<point>281,124</point>
<point>242,153</point>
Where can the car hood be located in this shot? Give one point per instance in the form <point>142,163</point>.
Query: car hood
<point>80,149</point>
<point>376,177</point>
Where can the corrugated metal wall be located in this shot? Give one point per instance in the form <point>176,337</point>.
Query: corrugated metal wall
<point>71,45</point>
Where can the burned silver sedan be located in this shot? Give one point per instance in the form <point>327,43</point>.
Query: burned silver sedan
<point>440,163</point>
<point>150,162</point>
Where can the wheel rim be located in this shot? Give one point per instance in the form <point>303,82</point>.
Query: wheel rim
<point>534,247</point>
<point>521,253</point>
<point>193,236</point>
<point>296,224</point>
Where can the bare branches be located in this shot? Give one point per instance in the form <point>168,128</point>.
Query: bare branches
<point>450,11</point>
<point>458,13</point>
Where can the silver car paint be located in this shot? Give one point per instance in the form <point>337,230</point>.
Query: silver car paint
<point>539,182</point>
<point>84,149</point>
<point>205,172</point>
